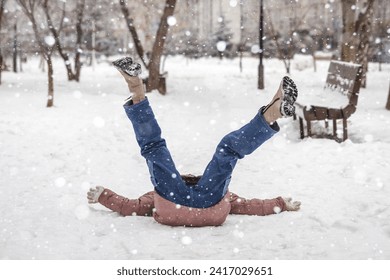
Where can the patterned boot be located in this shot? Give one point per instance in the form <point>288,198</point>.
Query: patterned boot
<point>282,105</point>
<point>130,71</point>
<point>127,65</point>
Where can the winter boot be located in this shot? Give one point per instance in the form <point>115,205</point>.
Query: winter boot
<point>130,72</point>
<point>282,104</point>
<point>126,65</point>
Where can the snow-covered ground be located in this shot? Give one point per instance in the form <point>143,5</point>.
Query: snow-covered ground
<point>50,157</point>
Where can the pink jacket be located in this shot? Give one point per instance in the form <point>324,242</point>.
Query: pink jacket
<point>168,213</point>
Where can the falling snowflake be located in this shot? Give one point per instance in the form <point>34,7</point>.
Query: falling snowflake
<point>379,183</point>
<point>171,20</point>
<point>277,210</point>
<point>233,3</point>
<point>60,182</point>
<point>255,49</point>
<point>186,240</point>
<point>49,40</point>
<point>238,234</point>
<point>221,46</point>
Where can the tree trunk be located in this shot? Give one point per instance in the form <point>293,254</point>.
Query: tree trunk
<point>28,8</point>
<point>158,46</point>
<point>50,82</point>
<point>348,17</point>
<point>363,31</point>
<point>15,50</point>
<point>388,100</point>
<point>54,32</point>
<point>79,37</point>
<point>279,50</point>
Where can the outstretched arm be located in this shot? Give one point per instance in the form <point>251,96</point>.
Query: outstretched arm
<point>261,207</point>
<point>143,206</point>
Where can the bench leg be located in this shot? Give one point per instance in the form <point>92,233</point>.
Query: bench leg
<point>308,128</point>
<point>301,129</point>
<point>345,130</point>
<point>162,86</point>
<point>335,128</point>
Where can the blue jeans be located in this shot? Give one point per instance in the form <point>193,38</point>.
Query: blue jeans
<point>214,182</point>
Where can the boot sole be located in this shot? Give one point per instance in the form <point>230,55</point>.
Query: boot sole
<point>127,66</point>
<point>290,94</point>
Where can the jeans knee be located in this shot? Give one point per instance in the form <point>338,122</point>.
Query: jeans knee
<point>228,147</point>
<point>153,148</point>
<point>151,172</point>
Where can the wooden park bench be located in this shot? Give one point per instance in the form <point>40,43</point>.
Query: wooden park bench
<point>337,101</point>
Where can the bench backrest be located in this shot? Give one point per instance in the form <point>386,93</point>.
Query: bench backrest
<point>346,78</point>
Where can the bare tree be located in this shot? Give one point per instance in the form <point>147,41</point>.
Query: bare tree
<point>348,18</point>
<point>286,52</point>
<point>356,32</point>
<point>80,6</point>
<point>363,31</point>
<point>30,7</point>
<point>2,4</point>
<point>158,47</point>
<point>133,31</point>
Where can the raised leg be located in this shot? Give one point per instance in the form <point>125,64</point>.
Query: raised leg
<point>164,175</point>
<point>234,146</point>
<point>216,178</point>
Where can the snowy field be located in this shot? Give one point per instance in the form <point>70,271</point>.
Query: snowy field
<point>49,158</point>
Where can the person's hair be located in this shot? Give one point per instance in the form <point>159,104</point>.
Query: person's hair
<point>190,179</point>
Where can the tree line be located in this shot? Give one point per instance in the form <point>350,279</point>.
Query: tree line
<point>68,29</point>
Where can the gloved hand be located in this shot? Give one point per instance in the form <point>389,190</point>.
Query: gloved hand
<point>292,205</point>
<point>94,193</point>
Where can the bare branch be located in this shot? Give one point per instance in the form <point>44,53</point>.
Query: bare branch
<point>133,31</point>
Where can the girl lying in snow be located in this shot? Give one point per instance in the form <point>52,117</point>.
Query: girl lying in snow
<point>188,200</point>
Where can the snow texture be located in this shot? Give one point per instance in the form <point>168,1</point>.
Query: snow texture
<point>49,158</point>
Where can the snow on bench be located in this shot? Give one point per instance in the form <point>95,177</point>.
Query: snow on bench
<point>337,101</point>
